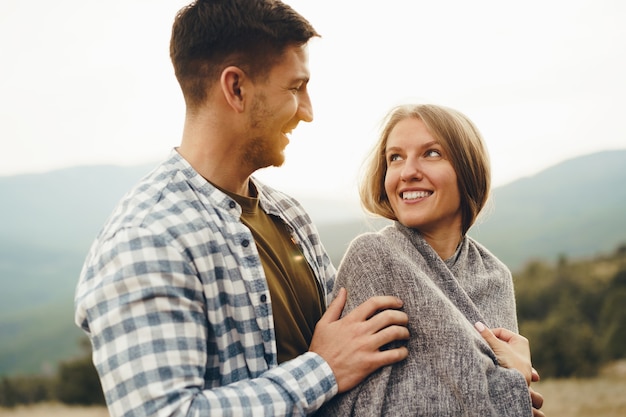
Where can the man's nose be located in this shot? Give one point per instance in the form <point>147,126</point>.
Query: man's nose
<point>305,108</point>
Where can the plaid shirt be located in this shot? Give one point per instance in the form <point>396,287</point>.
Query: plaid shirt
<point>174,299</point>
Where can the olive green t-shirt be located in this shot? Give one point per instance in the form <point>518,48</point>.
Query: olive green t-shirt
<point>295,293</point>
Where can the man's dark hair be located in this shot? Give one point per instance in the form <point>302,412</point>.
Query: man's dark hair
<point>209,35</point>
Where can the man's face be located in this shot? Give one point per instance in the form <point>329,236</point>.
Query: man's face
<point>278,105</point>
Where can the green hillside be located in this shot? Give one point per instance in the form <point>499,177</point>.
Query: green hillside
<point>35,340</point>
<point>33,276</point>
<point>577,208</point>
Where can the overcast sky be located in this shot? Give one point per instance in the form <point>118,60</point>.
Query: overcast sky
<point>90,82</point>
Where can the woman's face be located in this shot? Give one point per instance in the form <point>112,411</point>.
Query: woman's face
<point>420,181</point>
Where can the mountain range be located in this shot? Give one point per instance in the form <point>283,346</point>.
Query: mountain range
<point>576,208</point>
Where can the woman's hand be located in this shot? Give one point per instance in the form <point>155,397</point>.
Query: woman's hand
<point>511,349</point>
<point>513,352</point>
<point>537,401</point>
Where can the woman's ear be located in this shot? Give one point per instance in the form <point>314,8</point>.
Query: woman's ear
<point>232,84</point>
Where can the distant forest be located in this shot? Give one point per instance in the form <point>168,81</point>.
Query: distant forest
<point>572,312</point>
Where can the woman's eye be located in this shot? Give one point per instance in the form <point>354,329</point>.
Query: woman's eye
<point>393,157</point>
<point>433,153</point>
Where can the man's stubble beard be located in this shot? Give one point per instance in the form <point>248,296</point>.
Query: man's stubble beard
<point>261,151</point>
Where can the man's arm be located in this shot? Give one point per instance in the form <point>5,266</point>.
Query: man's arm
<point>146,313</point>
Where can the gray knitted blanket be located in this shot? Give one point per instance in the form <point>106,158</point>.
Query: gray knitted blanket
<point>450,370</point>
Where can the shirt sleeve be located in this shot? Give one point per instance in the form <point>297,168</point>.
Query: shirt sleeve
<point>145,312</point>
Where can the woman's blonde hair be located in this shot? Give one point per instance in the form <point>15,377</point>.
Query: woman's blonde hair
<point>463,145</point>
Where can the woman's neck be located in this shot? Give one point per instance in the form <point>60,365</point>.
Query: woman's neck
<point>445,245</point>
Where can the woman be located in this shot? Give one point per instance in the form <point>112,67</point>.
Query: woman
<point>430,173</point>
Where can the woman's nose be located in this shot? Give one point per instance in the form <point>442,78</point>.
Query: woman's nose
<point>411,171</point>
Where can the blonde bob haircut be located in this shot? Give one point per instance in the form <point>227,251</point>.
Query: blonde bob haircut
<point>463,146</point>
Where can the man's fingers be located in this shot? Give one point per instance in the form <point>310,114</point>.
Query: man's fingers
<point>391,356</point>
<point>351,344</point>
<point>387,318</point>
<point>333,312</point>
<point>374,305</point>
<point>390,334</point>
<point>378,312</point>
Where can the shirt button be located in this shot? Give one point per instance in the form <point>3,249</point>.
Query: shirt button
<point>232,204</point>
<point>263,298</point>
<point>245,243</point>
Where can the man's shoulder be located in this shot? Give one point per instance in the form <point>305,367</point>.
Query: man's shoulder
<point>160,190</point>
<point>280,203</point>
<point>166,197</point>
<point>273,195</point>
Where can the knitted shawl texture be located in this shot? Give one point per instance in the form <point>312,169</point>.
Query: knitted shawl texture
<point>450,371</point>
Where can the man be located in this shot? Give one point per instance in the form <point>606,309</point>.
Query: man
<point>205,293</point>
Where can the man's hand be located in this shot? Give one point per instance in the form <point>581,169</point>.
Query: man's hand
<point>351,345</point>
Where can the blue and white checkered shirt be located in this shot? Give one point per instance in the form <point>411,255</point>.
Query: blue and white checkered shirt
<point>174,299</point>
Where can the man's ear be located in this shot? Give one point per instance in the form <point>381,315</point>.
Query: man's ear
<point>232,83</point>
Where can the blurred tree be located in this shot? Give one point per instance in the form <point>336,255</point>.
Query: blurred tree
<point>8,396</point>
<point>612,320</point>
<point>534,291</point>
<point>21,389</point>
<point>564,345</point>
<point>77,380</point>
<point>573,314</point>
